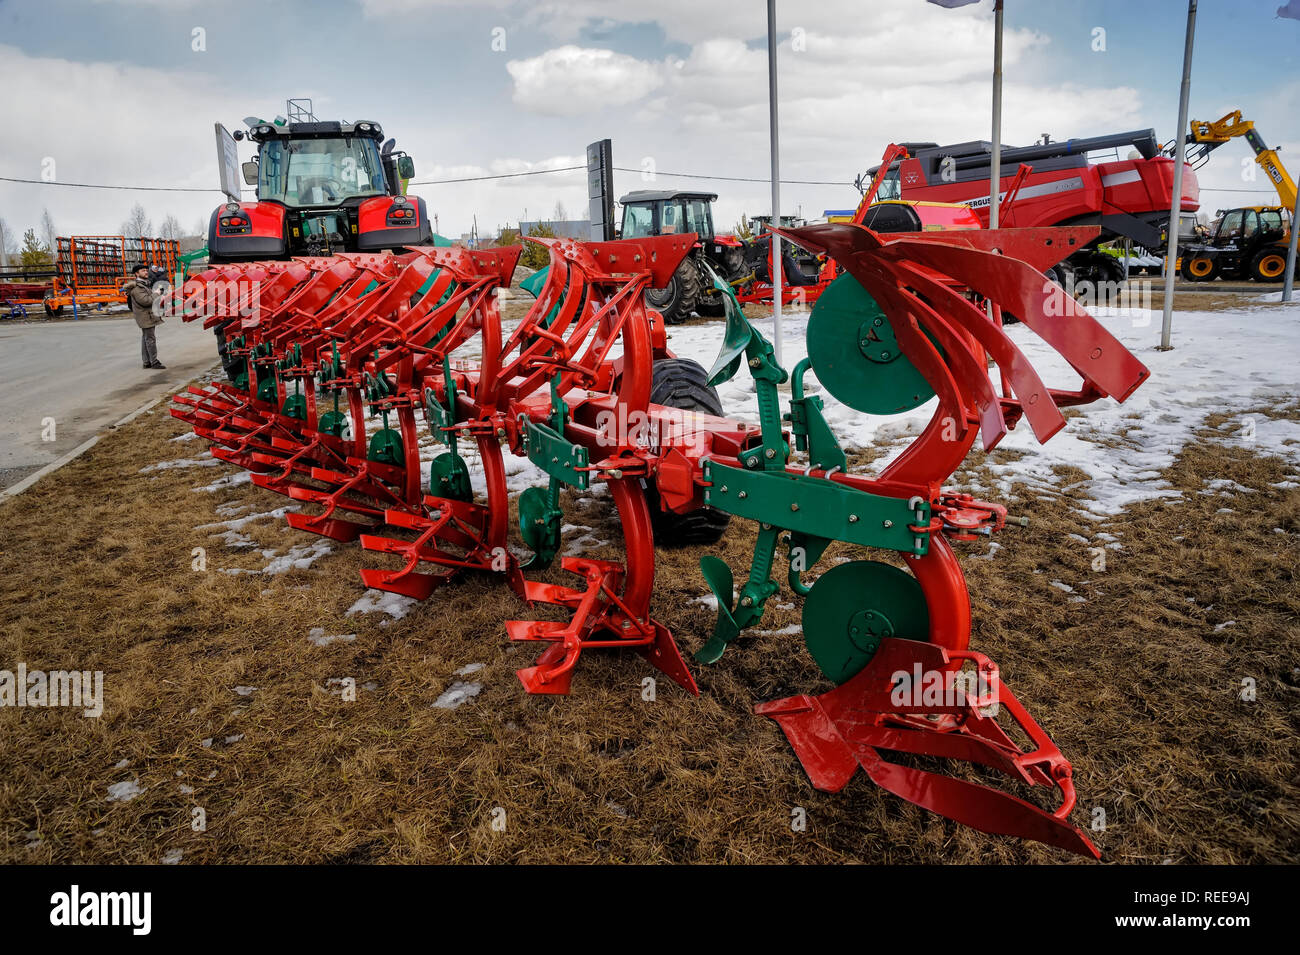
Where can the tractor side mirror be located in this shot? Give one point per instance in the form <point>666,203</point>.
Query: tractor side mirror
<point>250,172</point>
<point>405,167</point>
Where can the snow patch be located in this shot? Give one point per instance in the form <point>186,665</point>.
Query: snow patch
<point>124,791</point>
<point>381,601</point>
<point>456,694</point>
<point>316,636</point>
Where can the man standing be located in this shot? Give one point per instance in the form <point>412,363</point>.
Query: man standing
<point>141,298</point>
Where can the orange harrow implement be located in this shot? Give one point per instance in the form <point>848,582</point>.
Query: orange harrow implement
<point>333,360</point>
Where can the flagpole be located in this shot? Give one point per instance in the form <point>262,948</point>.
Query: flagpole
<point>1176,205</point>
<point>776,180</point>
<point>995,167</point>
<point>1289,281</point>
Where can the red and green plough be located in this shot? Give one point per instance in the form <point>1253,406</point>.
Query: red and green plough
<point>334,360</point>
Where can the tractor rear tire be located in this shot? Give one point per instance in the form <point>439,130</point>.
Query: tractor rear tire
<point>682,383</point>
<point>1268,265</point>
<point>1199,268</point>
<point>677,300</point>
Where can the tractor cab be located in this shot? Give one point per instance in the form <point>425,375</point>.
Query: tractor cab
<point>1248,226</point>
<point>322,187</point>
<point>650,212</point>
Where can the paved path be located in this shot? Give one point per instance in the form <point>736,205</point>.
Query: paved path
<point>85,375</point>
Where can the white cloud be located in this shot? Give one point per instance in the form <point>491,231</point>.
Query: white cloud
<point>570,80</point>
<point>109,122</point>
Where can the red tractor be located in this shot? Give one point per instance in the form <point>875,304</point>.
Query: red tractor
<point>322,188</point>
<point>1127,198</point>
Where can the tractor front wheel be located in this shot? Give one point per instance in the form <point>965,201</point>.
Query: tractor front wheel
<point>684,384</point>
<point>677,300</point>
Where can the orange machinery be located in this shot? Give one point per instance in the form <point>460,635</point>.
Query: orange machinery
<point>91,269</point>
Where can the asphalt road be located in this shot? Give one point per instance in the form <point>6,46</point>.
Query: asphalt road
<point>85,375</point>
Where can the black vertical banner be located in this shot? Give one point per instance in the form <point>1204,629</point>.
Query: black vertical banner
<point>600,189</point>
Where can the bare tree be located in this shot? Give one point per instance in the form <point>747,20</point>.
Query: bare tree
<point>170,228</point>
<point>201,227</point>
<point>137,224</point>
<point>559,213</point>
<point>48,232</point>
<point>5,240</point>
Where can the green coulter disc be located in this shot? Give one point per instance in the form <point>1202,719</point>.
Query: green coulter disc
<point>295,406</point>
<point>386,447</point>
<point>336,423</point>
<point>853,606</point>
<point>449,477</point>
<point>855,355</point>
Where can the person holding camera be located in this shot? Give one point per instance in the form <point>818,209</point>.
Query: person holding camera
<point>141,298</point>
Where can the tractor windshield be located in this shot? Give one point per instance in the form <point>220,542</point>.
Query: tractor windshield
<point>638,221</point>
<point>319,172</point>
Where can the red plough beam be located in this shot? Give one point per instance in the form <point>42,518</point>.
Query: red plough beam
<point>333,361</point>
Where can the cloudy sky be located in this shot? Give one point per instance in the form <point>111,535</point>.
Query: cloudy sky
<point>126,92</point>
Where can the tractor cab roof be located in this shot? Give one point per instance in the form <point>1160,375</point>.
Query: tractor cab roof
<point>659,195</point>
<point>329,129</point>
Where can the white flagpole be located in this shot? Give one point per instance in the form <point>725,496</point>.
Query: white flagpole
<point>1176,206</point>
<point>995,167</point>
<point>776,179</point>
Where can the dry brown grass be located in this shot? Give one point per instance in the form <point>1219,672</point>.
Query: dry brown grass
<point>1135,684</point>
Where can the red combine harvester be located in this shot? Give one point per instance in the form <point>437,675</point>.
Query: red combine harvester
<point>323,187</point>
<point>1126,198</point>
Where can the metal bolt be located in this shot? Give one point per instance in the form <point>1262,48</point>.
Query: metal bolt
<point>865,342</point>
<point>743,494</point>
<point>747,601</point>
<point>723,489</point>
<point>853,518</point>
<point>888,523</point>
<point>794,507</point>
<point>616,473</point>
<point>627,624</point>
<point>770,452</point>
<point>752,463</point>
<point>754,363</point>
